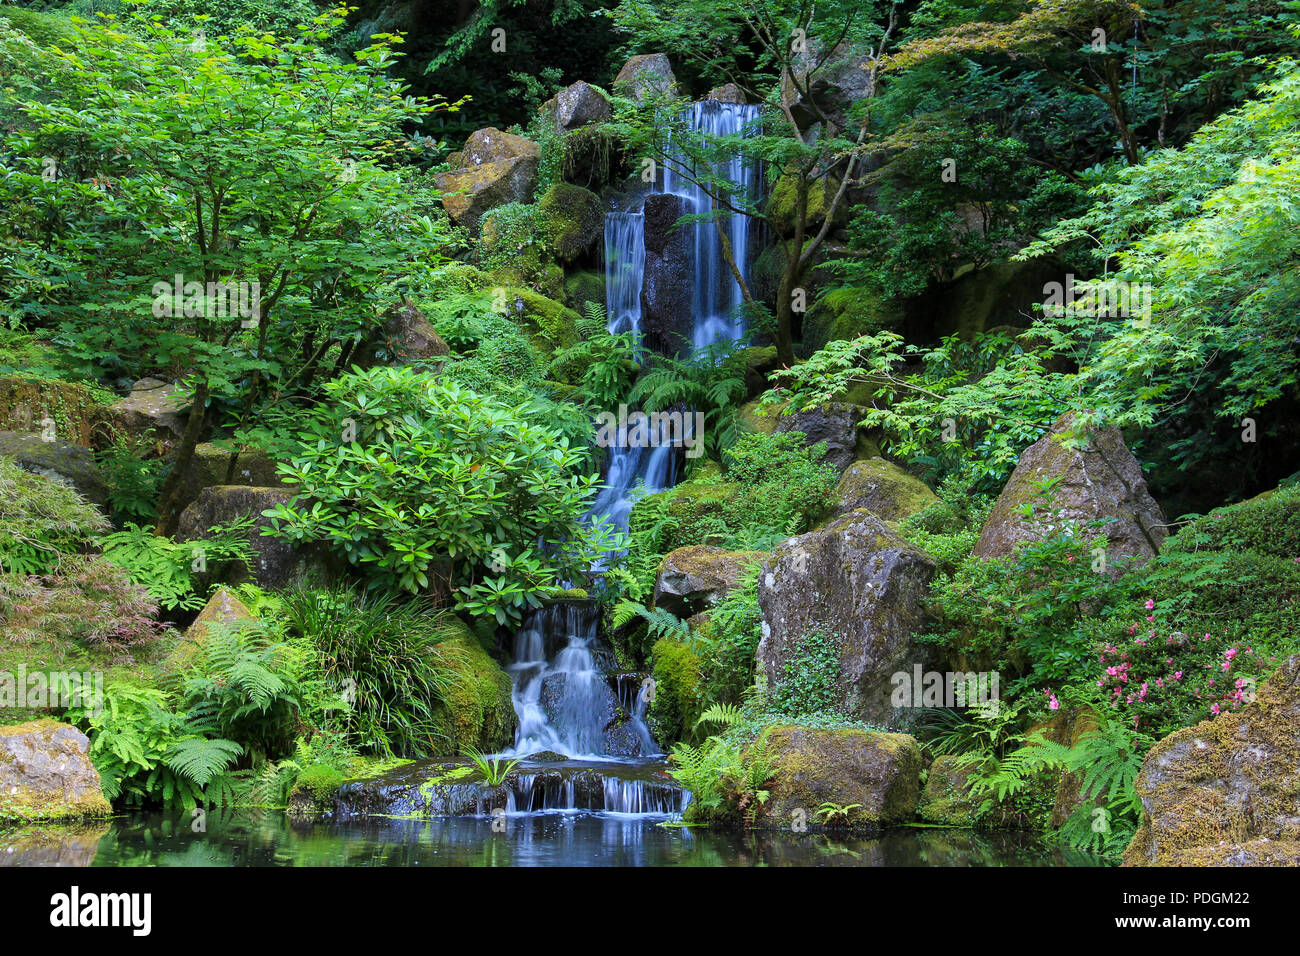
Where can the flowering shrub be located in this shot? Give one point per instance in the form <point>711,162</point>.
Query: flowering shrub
<point>1163,679</point>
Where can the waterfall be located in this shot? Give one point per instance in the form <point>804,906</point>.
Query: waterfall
<point>566,694</point>
<point>716,297</point>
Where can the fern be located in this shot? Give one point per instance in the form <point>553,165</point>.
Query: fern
<point>724,715</point>
<point>199,759</point>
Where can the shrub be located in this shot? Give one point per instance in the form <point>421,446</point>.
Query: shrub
<point>42,521</point>
<point>441,489</point>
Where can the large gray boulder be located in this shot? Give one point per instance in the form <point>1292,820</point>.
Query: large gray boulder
<point>210,466</point>
<point>839,78</point>
<point>276,562</point>
<point>645,76</point>
<point>694,579</point>
<point>666,294</point>
<point>46,774</point>
<point>1100,480</point>
<point>1226,792</point>
<point>58,460</point>
<point>491,145</point>
<point>577,106</point>
<point>858,580</point>
<point>835,423</point>
<point>472,191</point>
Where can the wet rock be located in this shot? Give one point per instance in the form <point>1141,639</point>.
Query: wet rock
<point>46,774</point>
<point>646,75</point>
<point>857,580</point>
<point>68,464</point>
<point>576,705</point>
<point>946,799</point>
<point>1226,792</point>
<point>693,579</point>
<point>622,740</point>
<point>210,465</point>
<point>880,771</point>
<point>1101,480</point>
<point>546,756</point>
<point>276,562</point>
<point>835,423</point>
<point>883,488</point>
<point>666,293</point>
<point>154,411</point>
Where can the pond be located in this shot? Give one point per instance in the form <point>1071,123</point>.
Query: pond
<point>269,838</point>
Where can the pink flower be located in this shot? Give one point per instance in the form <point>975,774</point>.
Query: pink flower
<point>1150,604</point>
<point>1054,704</point>
<point>1214,708</point>
<point>1178,675</point>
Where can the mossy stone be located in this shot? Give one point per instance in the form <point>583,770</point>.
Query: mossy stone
<point>476,710</point>
<point>571,219</point>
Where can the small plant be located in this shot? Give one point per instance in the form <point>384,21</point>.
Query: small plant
<point>829,813</point>
<point>494,769</point>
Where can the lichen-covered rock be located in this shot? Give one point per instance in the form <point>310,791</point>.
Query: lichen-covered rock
<point>693,579</point>
<point>1226,792</point>
<point>223,612</point>
<point>1099,480</point>
<point>407,336</point>
<point>576,106</point>
<point>646,75</point>
<point>571,219</point>
<point>883,488</point>
<point>46,774</point>
<point>470,192</point>
<point>727,93</point>
<point>782,204</point>
<point>276,562</point>
<point>490,145</point>
<point>835,423</point>
<point>476,711</point>
<point>880,771</point>
<point>70,465</point>
<point>76,410</point>
<point>154,411</point>
<point>211,464</point>
<point>861,582</point>
<point>841,79</point>
<point>667,320</point>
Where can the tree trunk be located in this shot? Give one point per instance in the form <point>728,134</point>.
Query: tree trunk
<point>169,495</point>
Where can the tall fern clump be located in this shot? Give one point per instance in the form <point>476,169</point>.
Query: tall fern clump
<point>712,382</point>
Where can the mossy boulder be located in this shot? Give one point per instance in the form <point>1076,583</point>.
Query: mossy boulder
<point>759,360</point>
<point>572,219</point>
<point>211,464</point>
<point>491,145</point>
<point>783,210</point>
<point>477,710</point>
<point>646,75</point>
<point>946,799</point>
<point>77,412</point>
<point>693,579</point>
<point>550,324</point>
<point>836,424</point>
<point>883,488</point>
<point>1099,480</point>
<point>583,287</point>
<point>859,581</point>
<point>675,706</point>
<point>847,313</point>
<point>576,106</point>
<point>692,506</point>
<point>1226,792</point>
<point>758,419</point>
<point>55,844</point>
<point>223,611</point>
<point>313,791</point>
<point>69,464</point>
<point>406,336</point>
<point>46,774</point>
<point>880,771</point>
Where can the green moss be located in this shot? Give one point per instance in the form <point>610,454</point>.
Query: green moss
<point>476,711</point>
<point>79,412</point>
<point>1266,524</point>
<point>582,287</point>
<point>676,706</point>
<point>552,326</point>
<point>782,203</point>
<point>571,220</point>
<point>319,780</point>
<point>847,313</point>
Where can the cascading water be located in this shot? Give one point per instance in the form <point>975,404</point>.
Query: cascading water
<point>567,696</point>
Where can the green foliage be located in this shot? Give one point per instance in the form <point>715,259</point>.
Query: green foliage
<point>727,644</point>
<point>811,673</point>
<point>378,657</point>
<point>602,364</point>
<point>785,485</point>
<point>712,382</point>
<point>171,570</point>
<point>723,777</point>
<point>441,488</point>
<point>493,769</point>
<point>133,480</point>
<point>42,521</point>
<point>829,812</point>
